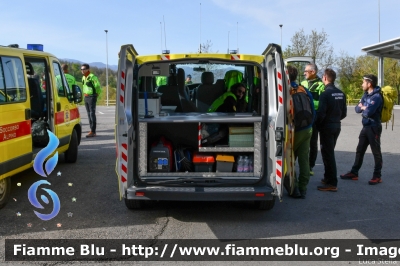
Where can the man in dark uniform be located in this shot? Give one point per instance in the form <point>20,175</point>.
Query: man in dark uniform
<point>332,108</point>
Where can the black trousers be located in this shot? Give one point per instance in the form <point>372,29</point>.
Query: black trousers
<point>313,146</point>
<point>369,136</point>
<point>90,104</point>
<point>328,138</point>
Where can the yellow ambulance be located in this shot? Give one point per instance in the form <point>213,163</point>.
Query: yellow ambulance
<point>33,88</point>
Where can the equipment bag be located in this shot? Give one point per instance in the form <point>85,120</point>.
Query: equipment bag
<point>389,96</point>
<point>40,136</point>
<point>303,113</point>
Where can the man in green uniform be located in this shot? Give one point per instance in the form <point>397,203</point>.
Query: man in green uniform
<point>70,79</point>
<point>91,88</point>
<point>315,85</point>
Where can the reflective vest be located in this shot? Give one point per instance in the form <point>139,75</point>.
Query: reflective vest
<point>89,83</point>
<point>232,77</point>
<point>161,80</point>
<point>220,101</point>
<point>70,80</point>
<point>316,87</point>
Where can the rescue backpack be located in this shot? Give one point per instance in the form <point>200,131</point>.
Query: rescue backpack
<point>389,96</point>
<point>303,113</point>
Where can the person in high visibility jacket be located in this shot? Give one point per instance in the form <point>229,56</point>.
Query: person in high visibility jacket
<point>91,88</point>
<point>70,79</point>
<point>230,101</point>
<point>315,85</point>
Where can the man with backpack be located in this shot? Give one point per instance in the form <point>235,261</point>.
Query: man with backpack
<point>304,115</point>
<point>370,107</point>
<point>316,87</point>
<point>332,108</point>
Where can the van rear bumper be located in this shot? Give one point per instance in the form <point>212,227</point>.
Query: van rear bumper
<point>200,193</point>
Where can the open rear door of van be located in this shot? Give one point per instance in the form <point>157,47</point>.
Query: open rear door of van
<point>125,131</point>
<point>277,90</point>
<point>289,175</point>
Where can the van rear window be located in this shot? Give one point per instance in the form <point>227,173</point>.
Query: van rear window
<point>12,81</point>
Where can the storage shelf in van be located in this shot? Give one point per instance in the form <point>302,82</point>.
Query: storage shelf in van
<point>226,149</point>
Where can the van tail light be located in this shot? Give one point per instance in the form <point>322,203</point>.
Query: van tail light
<point>260,195</point>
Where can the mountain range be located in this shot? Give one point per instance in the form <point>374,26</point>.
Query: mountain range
<point>93,64</point>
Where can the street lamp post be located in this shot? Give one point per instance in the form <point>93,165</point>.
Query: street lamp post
<point>280,25</point>
<point>107,64</point>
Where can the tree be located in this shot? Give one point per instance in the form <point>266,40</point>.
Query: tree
<point>315,44</point>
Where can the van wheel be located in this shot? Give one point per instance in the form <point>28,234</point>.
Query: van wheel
<point>265,204</point>
<point>71,155</point>
<point>5,191</point>
<point>133,204</point>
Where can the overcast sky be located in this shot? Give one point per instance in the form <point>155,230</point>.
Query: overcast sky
<point>75,29</point>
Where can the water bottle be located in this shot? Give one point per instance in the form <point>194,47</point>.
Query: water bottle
<point>251,165</point>
<point>246,164</point>
<point>240,164</point>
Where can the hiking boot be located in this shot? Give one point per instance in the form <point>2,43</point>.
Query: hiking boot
<point>91,135</point>
<point>375,180</point>
<point>327,187</point>
<point>349,176</point>
<point>296,193</point>
<point>303,194</point>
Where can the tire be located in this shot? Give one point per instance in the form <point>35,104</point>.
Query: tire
<point>134,204</point>
<point>5,191</point>
<point>265,204</point>
<point>71,155</point>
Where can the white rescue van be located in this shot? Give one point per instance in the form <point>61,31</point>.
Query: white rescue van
<point>170,147</point>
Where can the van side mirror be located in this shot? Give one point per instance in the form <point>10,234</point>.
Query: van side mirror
<point>76,94</point>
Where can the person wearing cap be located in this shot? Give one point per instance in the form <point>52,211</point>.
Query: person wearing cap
<point>188,80</point>
<point>70,79</point>
<point>332,109</point>
<point>91,88</point>
<point>370,107</point>
<point>316,87</point>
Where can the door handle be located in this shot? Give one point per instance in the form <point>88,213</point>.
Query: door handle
<point>27,114</point>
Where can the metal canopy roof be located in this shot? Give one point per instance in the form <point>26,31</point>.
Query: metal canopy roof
<point>390,48</point>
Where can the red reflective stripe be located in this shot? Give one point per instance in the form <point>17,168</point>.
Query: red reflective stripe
<point>121,99</point>
<point>124,145</point>
<point>123,74</point>
<point>74,113</point>
<point>60,116</point>
<point>15,130</point>
<point>122,87</point>
<point>123,155</point>
<point>279,162</point>
<point>59,119</point>
<point>279,75</point>
<point>280,100</point>
<point>123,179</point>
<point>123,167</point>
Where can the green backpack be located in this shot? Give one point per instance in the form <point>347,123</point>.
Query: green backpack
<point>389,96</point>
